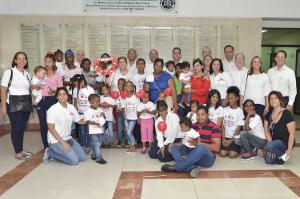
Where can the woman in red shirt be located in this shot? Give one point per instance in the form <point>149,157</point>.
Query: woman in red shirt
<point>200,83</point>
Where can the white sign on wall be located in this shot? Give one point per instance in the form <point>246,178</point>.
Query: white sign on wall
<point>131,6</point>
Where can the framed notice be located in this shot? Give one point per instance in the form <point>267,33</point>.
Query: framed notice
<point>229,36</point>
<point>185,40</point>
<point>141,38</point>
<point>119,40</point>
<point>207,37</point>
<point>30,42</point>
<point>74,39</point>
<point>97,40</point>
<point>163,41</point>
<point>51,37</point>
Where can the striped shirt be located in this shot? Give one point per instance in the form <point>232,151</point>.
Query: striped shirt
<point>69,73</point>
<point>207,131</point>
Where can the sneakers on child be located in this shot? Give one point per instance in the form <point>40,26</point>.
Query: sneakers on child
<point>195,172</point>
<point>46,157</point>
<point>101,161</point>
<point>254,152</point>
<point>248,156</point>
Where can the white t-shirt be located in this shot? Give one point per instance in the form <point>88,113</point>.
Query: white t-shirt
<point>194,117</point>
<point>214,114</point>
<point>82,99</point>
<point>132,68</point>
<point>228,66</point>
<point>114,78</point>
<point>138,80</point>
<point>149,106</point>
<point>191,134</point>
<point>94,115</point>
<point>20,83</point>
<point>131,107</point>
<point>108,111</point>
<point>69,73</point>
<point>257,87</point>
<point>120,102</point>
<point>149,67</point>
<point>173,130</point>
<point>239,76</point>
<point>256,125</point>
<point>187,77</point>
<point>62,118</point>
<point>60,68</point>
<point>232,119</point>
<point>221,82</point>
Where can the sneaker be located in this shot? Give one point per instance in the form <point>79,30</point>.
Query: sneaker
<point>280,161</point>
<point>93,158</point>
<point>181,105</point>
<point>27,154</point>
<point>195,172</point>
<point>247,156</point>
<point>118,146</point>
<point>46,157</point>
<point>101,161</point>
<point>254,152</point>
<point>112,146</point>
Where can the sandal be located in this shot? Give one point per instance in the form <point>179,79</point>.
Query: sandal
<point>27,153</point>
<point>23,157</point>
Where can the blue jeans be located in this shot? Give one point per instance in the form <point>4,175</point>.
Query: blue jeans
<point>129,125</point>
<point>180,151</point>
<point>18,122</point>
<point>199,156</point>
<point>41,109</point>
<point>276,147</point>
<point>84,137</point>
<point>72,157</point>
<point>96,144</point>
<point>110,126</point>
<point>120,122</point>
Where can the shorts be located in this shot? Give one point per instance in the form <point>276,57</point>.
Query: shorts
<point>232,147</point>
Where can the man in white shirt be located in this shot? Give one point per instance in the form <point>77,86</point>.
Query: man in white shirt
<point>239,72</point>
<point>176,55</point>
<point>80,55</point>
<point>228,62</point>
<point>283,79</point>
<point>131,64</point>
<point>153,55</point>
<point>161,149</point>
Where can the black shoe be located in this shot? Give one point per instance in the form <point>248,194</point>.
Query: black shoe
<point>280,162</point>
<point>101,161</point>
<point>93,158</point>
<point>194,172</point>
<point>168,168</point>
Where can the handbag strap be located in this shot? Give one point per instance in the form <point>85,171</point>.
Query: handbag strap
<point>246,84</point>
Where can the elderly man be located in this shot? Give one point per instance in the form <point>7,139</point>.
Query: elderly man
<point>206,51</point>
<point>283,79</point>
<point>80,55</point>
<point>131,64</point>
<point>228,62</point>
<point>203,155</point>
<point>239,72</point>
<point>153,55</point>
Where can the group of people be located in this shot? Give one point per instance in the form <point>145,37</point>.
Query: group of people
<point>180,111</point>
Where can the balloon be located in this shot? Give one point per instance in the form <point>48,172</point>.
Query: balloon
<point>162,126</point>
<point>168,91</point>
<point>140,93</point>
<point>123,94</point>
<point>114,94</point>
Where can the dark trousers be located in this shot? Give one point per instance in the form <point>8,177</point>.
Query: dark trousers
<point>166,157</point>
<point>42,108</point>
<point>18,122</point>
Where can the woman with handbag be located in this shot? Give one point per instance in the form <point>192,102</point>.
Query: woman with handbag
<point>16,101</point>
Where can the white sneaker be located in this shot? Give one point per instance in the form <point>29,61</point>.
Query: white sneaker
<point>46,157</point>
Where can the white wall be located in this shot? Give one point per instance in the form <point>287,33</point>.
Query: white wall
<point>186,8</point>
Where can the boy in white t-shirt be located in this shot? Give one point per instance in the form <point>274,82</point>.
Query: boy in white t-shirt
<point>139,77</point>
<point>252,137</point>
<point>38,80</point>
<point>107,104</point>
<point>190,136</point>
<point>232,123</point>
<point>185,78</point>
<point>95,119</point>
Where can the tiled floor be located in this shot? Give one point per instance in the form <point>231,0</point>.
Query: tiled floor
<point>137,176</point>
